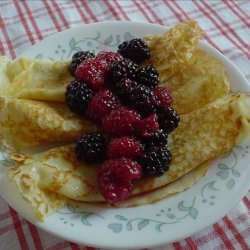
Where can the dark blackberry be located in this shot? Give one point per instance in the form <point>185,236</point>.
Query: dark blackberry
<point>155,161</point>
<point>148,76</point>
<point>142,99</point>
<point>136,50</point>
<point>77,58</point>
<point>123,68</point>
<point>160,138</point>
<point>78,96</point>
<point>168,119</point>
<point>124,88</point>
<point>135,95</point>
<point>91,148</point>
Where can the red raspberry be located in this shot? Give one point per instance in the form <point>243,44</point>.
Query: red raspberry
<point>109,57</point>
<point>148,126</point>
<point>122,121</point>
<point>126,146</point>
<point>116,178</point>
<point>101,104</point>
<point>94,71</point>
<point>162,97</point>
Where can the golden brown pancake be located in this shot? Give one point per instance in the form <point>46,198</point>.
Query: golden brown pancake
<point>201,136</point>
<point>26,123</point>
<point>38,79</point>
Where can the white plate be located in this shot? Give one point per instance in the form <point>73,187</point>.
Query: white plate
<point>166,221</point>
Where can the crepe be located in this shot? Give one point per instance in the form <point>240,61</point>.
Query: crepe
<point>38,79</point>
<point>26,123</point>
<point>201,81</point>
<point>171,51</point>
<point>4,79</point>
<point>212,131</point>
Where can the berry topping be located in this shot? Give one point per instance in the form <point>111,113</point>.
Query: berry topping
<point>91,147</point>
<point>126,146</point>
<point>155,161</point>
<point>78,96</point>
<point>162,97</point>
<point>101,104</point>
<point>121,121</point>
<point>148,76</point>
<point>108,57</point>
<point>168,119</point>
<point>77,58</point>
<point>124,88</point>
<point>148,126</point>
<point>95,70</point>
<point>160,138</point>
<point>136,50</point>
<point>123,68</point>
<point>116,179</point>
<point>142,99</point>
<point>135,95</point>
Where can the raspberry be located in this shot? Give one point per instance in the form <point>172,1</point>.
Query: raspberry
<point>116,178</point>
<point>95,70</point>
<point>101,104</point>
<point>123,68</point>
<point>155,161</point>
<point>160,138</point>
<point>168,119</point>
<point>108,57</point>
<point>162,97</point>
<point>136,50</point>
<point>121,121</point>
<point>148,126</point>
<point>126,146</point>
<point>78,96</point>
<point>148,76</point>
<point>91,147</point>
<point>77,58</point>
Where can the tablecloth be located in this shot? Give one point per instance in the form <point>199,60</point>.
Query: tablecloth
<point>227,27</point>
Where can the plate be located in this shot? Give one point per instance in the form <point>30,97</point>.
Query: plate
<point>166,221</point>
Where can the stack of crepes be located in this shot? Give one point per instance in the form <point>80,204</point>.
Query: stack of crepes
<point>33,113</point>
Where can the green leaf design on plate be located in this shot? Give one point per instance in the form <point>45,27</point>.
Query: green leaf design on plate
<point>108,40</point>
<point>223,174</point>
<point>39,56</point>
<point>193,212</point>
<point>223,166</point>
<point>120,217</point>
<point>143,223</point>
<point>72,43</point>
<point>235,173</point>
<point>77,49</point>
<point>129,226</point>
<point>85,221</point>
<point>182,207</point>
<point>230,184</point>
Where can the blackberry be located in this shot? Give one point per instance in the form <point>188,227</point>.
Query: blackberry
<point>123,89</point>
<point>155,161</point>
<point>78,96</point>
<point>77,58</point>
<point>168,119</point>
<point>123,68</point>
<point>136,50</point>
<point>160,138</point>
<point>135,95</point>
<point>148,76</point>
<point>91,148</point>
<point>142,99</point>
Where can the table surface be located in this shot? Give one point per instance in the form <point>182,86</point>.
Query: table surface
<point>227,28</point>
